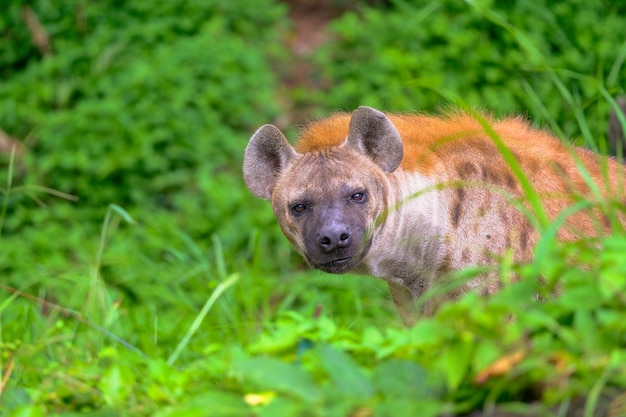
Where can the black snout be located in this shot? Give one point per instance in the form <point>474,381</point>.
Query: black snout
<point>332,237</point>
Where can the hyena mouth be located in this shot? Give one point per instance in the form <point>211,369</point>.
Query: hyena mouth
<point>336,266</point>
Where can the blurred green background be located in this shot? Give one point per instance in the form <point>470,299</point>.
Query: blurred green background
<point>112,111</point>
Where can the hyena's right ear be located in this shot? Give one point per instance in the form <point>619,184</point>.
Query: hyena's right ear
<point>267,154</point>
<point>372,133</point>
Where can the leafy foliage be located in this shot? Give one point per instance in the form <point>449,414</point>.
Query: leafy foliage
<point>149,114</point>
<point>550,59</point>
<point>140,107</point>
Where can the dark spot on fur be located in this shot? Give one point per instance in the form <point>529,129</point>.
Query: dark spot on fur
<point>523,237</point>
<point>456,207</point>
<point>487,255</point>
<point>466,170</point>
<point>510,181</point>
<point>559,168</point>
<point>465,256</point>
<point>503,215</point>
<point>493,177</point>
<point>580,186</point>
<point>485,147</point>
<point>606,221</point>
<point>533,165</point>
<point>504,179</point>
<point>445,265</point>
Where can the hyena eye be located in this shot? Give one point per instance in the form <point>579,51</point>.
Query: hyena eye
<point>298,208</point>
<point>358,197</point>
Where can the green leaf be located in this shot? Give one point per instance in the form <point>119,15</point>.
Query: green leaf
<point>116,384</point>
<point>427,332</point>
<point>344,373</point>
<point>454,362</point>
<point>372,338</point>
<point>585,324</point>
<point>273,374</point>
<point>122,213</point>
<point>402,378</point>
<point>585,297</point>
<point>27,411</point>
<point>612,267</point>
<point>13,397</point>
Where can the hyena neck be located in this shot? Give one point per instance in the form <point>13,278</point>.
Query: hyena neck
<point>415,222</point>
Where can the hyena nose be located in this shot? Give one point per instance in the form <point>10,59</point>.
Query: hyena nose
<point>334,238</point>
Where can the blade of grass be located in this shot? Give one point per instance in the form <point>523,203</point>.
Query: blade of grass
<point>576,109</point>
<point>614,106</point>
<point>539,107</point>
<point>616,68</point>
<point>28,189</point>
<point>7,191</point>
<point>97,290</point>
<point>219,257</point>
<point>596,390</point>
<point>219,290</point>
<point>112,209</point>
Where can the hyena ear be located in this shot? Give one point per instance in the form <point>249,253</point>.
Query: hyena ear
<point>267,154</point>
<point>373,134</point>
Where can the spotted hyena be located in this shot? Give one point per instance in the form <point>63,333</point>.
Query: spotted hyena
<point>410,198</point>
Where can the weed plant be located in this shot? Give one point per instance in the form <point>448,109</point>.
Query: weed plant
<point>166,290</point>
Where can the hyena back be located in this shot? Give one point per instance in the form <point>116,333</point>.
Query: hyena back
<point>410,198</point>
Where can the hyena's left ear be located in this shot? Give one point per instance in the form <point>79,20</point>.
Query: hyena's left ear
<point>267,154</point>
<point>372,133</point>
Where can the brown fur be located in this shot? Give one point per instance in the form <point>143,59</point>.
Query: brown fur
<point>438,191</point>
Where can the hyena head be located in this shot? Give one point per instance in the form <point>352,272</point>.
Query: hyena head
<point>327,201</point>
